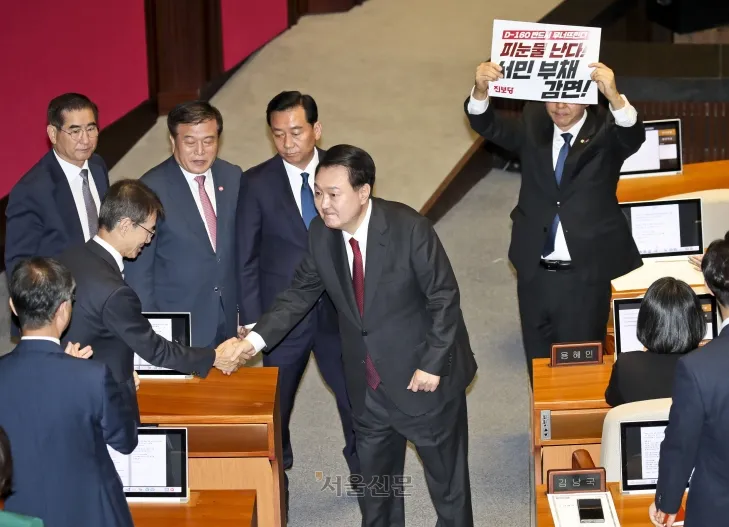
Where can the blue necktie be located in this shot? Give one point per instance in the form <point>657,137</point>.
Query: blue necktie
<point>558,169</point>
<point>308,209</point>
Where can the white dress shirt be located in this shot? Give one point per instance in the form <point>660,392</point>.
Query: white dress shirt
<point>50,339</point>
<point>195,189</point>
<point>625,116</point>
<point>724,323</point>
<point>295,177</point>
<point>361,236</point>
<point>113,252</point>
<point>73,174</point>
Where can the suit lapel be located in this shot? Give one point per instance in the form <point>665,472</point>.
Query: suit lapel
<point>100,178</point>
<point>225,202</point>
<point>581,142</point>
<point>341,267</point>
<point>378,237</point>
<point>64,200</point>
<point>182,196</point>
<point>545,138</point>
<point>287,200</point>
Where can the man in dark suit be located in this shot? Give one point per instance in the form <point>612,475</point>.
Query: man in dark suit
<point>56,204</point>
<point>190,264</point>
<point>60,412</point>
<point>698,425</point>
<point>569,238</point>
<point>108,312</point>
<point>274,213</point>
<point>406,352</point>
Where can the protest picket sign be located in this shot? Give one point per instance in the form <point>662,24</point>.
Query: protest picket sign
<point>545,62</point>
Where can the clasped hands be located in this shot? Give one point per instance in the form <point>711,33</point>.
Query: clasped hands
<point>233,353</point>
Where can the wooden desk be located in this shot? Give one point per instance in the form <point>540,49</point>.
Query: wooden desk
<point>221,508</point>
<point>234,437</point>
<point>570,400</point>
<point>632,510</point>
<point>696,177</point>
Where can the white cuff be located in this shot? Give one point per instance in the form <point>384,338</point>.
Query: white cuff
<point>625,116</point>
<point>476,107</point>
<point>250,326</point>
<point>256,340</point>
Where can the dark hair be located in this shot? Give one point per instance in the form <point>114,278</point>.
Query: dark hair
<point>193,112</point>
<point>69,102</point>
<point>38,286</point>
<point>6,466</point>
<point>670,319</point>
<point>715,266</point>
<point>128,198</point>
<point>286,100</point>
<point>359,164</point>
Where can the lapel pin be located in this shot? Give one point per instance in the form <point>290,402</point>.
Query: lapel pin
<point>220,189</point>
<point>584,140</point>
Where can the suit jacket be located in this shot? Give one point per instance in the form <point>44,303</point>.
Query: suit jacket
<point>412,315</point>
<point>107,315</point>
<point>60,414</point>
<point>42,219</point>
<point>696,437</point>
<point>639,376</point>
<point>9,519</point>
<point>597,234</point>
<point>271,240</point>
<point>179,270</point>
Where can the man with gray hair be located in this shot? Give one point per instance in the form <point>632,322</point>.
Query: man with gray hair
<point>61,412</point>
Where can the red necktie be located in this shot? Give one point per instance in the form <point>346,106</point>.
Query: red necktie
<point>373,378</point>
<point>208,211</point>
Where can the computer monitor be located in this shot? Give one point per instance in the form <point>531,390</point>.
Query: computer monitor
<point>660,153</point>
<point>625,321</point>
<point>640,449</point>
<point>157,469</point>
<point>666,228</point>
<point>175,327</point>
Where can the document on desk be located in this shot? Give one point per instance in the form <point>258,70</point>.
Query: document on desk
<point>565,511</point>
<point>650,450</point>
<point>629,330</point>
<point>656,229</point>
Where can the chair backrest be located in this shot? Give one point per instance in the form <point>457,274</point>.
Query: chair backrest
<point>651,410</point>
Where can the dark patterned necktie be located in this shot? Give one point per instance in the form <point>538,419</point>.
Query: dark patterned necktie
<point>92,215</point>
<point>558,169</point>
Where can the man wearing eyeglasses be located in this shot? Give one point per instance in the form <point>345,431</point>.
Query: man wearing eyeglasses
<point>56,204</point>
<point>189,265</point>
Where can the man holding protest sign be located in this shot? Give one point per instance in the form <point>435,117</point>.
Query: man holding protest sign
<point>569,237</point>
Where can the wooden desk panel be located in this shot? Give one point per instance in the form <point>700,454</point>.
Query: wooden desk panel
<point>632,510</point>
<point>696,177</point>
<point>221,508</point>
<point>234,434</point>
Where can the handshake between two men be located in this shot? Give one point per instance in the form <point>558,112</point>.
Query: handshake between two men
<point>233,353</point>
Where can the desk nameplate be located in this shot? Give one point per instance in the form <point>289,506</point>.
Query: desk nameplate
<point>576,354</point>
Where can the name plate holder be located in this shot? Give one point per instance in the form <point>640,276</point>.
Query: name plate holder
<point>571,481</point>
<point>576,354</point>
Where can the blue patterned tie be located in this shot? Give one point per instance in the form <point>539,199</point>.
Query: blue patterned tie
<point>558,169</point>
<point>308,209</point>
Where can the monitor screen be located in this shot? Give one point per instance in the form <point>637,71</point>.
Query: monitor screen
<point>625,319</point>
<point>158,466</point>
<point>660,154</point>
<point>666,228</point>
<point>175,327</point>
<point>640,445</point>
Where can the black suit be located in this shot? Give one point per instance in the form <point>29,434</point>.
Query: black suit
<point>60,414</point>
<point>42,218</point>
<point>639,376</point>
<point>271,239</point>
<point>108,317</point>
<point>412,320</point>
<point>567,305</point>
<point>696,437</point>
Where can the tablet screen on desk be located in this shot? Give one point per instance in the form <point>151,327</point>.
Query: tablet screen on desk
<point>625,319</point>
<point>660,153</point>
<point>157,469</point>
<point>175,327</point>
<point>666,228</point>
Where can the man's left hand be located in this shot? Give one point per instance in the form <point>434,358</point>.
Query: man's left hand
<point>75,350</point>
<point>423,382</point>
<point>605,80</point>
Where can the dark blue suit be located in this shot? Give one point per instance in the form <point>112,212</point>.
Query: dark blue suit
<point>60,414</point>
<point>696,436</point>
<point>42,218</point>
<point>272,239</point>
<point>179,270</point>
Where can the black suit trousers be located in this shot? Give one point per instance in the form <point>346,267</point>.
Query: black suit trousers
<point>559,307</point>
<point>441,440</point>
